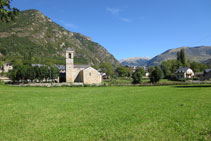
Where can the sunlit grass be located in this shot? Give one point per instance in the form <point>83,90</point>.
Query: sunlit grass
<point>105,113</point>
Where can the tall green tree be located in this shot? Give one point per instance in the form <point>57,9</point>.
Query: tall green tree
<point>198,67</point>
<point>156,75</point>
<point>150,69</point>
<point>108,69</point>
<point>178,56</point>
<point>169,67</point>
<point>181,58</point>
<point>7,13</point>
<point>54,72</point>
<point>137,75</point>
<point>31,74</point>
<point>166,67</point>
<point>122,71</point>
<point>43,73</point>
<point>17,74</point>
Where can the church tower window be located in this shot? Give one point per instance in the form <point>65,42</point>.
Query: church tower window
<point>70,55</point>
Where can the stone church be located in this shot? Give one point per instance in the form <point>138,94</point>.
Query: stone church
<point>80,73</point>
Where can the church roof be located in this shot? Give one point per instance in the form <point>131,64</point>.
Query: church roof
<point>63,67</point>
<point>38,65</point>
<point>207,70</point>
<point>81,66</point>
<point>69,49</point>
<point>60,67</point>
<point>182,70</point>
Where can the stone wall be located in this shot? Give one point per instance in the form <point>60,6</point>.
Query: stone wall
<point>49,84</point>
<point>91,76</point>
<point>76,74</point>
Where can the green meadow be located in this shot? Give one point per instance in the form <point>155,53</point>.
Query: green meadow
<point>105,113</point>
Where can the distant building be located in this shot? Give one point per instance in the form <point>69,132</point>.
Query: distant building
<point>198,75</point>
<point>6,68</point>
<point>146,74</point>
<point>80,73</point>
<point>184,73</point>
<point>133,68</point>
<point>207,74</point>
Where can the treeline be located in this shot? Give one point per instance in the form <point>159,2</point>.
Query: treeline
<point>166,70</point>
<point>29,73</point>
<point>155,73</point>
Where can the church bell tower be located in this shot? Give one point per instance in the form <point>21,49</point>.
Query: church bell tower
<point>69,65</point>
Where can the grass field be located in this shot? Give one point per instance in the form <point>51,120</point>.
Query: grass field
<point>105,113</point>
<point>125,81</point>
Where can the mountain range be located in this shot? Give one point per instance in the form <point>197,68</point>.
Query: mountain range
<point>135,61</point>
<point>197,54</point>
<point>36,38</point>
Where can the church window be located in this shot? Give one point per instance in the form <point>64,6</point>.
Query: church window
<point>70,56</point>
<point>90,74</point>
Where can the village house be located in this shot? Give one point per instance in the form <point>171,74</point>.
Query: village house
<point>133,68</point>
<point>207,74</point>
<point>6,68</point>
<point>184,73</point>
<point>198,75</point>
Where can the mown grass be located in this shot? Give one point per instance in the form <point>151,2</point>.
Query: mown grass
<point>105,113</point>
<point>126,81</point>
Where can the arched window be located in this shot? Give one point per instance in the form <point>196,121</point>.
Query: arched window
<point>70,55</point>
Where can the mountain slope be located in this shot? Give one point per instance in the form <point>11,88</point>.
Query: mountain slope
<point>198,54</point>
<point>35,37</point>
<point>135,61</point>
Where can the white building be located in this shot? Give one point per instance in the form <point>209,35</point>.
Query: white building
<point>184,73</point>
<point>6,68</point>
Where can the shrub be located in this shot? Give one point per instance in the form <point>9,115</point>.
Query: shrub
<point>156,75</point>
<point>137,75</point>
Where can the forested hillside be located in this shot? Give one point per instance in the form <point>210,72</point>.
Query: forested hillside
<point>35,38</point>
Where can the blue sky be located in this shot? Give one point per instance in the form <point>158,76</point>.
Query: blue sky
<point>131,28</point>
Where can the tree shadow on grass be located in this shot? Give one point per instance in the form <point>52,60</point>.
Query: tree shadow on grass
<point>193,86</point>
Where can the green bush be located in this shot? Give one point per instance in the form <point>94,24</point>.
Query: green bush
<point>156,75</point>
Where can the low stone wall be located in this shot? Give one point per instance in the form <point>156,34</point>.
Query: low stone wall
<point>4,79</point>
<point>49,84</point>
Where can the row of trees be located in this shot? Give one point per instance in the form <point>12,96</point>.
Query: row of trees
<point>155,74</point>
<point>25,73</point>
<point>121,71</point>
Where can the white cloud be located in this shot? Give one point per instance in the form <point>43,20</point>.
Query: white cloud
<point>125,20</point>
<point>113,11</point>
<point>116,13</point>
